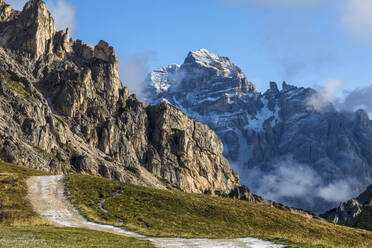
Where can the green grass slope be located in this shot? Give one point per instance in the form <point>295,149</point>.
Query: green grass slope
<point>20,226</point>
<point>365,219</point>
<point>49,236</point>
<point>175,214</point>
<point>15,209</point>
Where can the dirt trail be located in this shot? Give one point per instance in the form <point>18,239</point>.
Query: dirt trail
<point>47,197</point>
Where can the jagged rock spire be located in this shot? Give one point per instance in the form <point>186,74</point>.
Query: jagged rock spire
<point>32,30</point>
<point>6,11</point>
<point>40,27</point>
<point>105,52</point>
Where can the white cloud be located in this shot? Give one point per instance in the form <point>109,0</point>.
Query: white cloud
<point>325,95</point>
<point>338,191</point>
<point>133,71</point>
<point>358,99</point>
<point>357,18</point>
<point>63,12</point>
<point>288,179</point>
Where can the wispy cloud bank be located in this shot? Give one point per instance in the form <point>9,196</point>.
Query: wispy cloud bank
<point>297,49</point>
<point>63,12</point>
<point>133,71</point>
<point>326,95</point>
<point>338,191</point>
<point>331,93</point>
<point>359,99</point>
<point>357,18</point>
<point>288,179</point>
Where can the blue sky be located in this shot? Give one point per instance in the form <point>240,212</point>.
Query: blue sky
<point>304,42</point>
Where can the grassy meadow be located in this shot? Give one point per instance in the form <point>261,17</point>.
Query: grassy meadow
<point>156,212</point>
<point>20,226</point>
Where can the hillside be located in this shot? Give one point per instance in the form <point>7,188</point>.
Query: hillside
<point>156,213</point>
<point>356,212</point>
<point>176,214</point>
<point>20,226</point>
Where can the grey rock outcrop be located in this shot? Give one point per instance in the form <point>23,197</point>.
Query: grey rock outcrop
<point>63,109</point>
<point>355,212</point>
<point>244,193</point>
<point>282,145</point>
<point>193,146</point>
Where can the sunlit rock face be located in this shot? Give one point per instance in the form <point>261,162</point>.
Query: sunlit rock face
<point>63,109</point>
<point>282,145</point>
<point>355,212</point>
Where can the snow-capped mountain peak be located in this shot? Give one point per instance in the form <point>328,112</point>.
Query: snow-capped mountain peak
<point>207,60</point>
<point>282,135</point>
<point>162,79</point>
<point>204,77</point>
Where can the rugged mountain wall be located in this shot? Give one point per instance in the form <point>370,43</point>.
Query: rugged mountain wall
<point>356,212</point>
<point>281,143</point>
<point>63,109</point>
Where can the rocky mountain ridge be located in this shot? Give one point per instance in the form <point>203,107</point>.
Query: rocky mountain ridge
<point>63,109</point>
<point>281,143</point>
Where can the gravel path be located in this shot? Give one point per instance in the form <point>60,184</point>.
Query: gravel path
<point>47,198</point>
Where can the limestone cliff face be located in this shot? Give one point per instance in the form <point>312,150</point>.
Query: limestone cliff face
<point>63,109</point>
<point>193,146</point>
<point>31,30</point>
